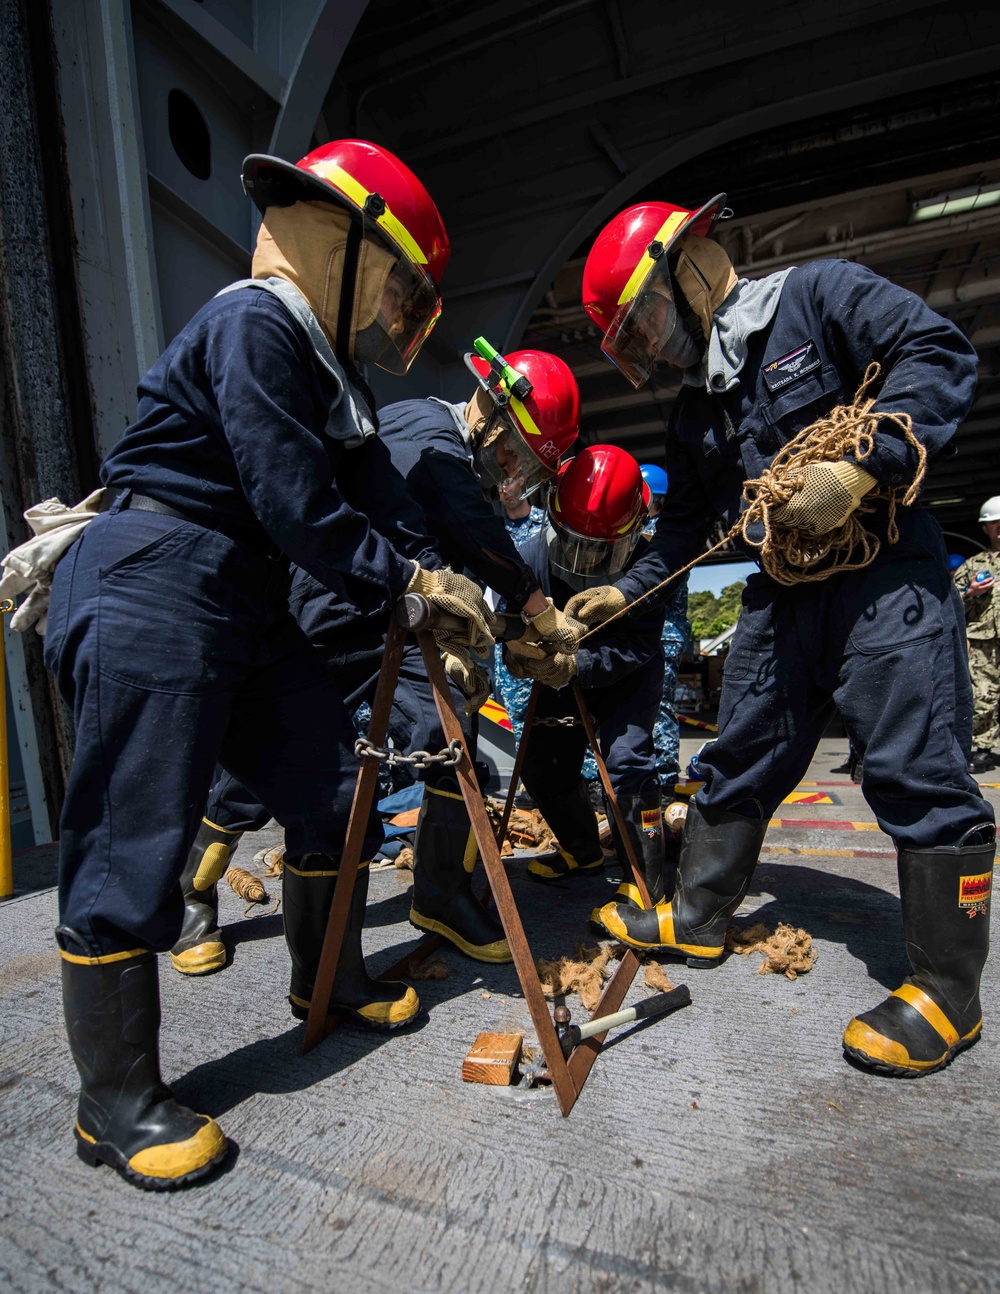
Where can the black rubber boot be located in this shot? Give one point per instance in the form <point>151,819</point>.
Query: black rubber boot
<point>127,1117</point>
<point>200,949</point>
<point>643,819</point>
<point>570,816</point>
<point>306,899</point>
<point>935,1013</point>
<point>717,859</point>
<point>444,855</point>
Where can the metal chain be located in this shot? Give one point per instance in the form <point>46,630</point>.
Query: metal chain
<point>553,722</point>
<point>423,759</point>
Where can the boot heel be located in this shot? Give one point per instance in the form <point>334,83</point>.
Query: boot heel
<point>703,963</point>
<point>87,1153</point>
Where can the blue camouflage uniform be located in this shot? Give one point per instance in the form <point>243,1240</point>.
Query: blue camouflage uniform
<point>666,730</point>
<point>884,645</point>
<point>170,634</point>
<point>514,692</point>
<point>620,674</point>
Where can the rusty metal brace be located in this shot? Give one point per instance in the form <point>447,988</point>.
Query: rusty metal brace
<point>568,1075</point>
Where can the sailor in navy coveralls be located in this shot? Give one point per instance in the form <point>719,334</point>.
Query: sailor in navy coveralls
<point>170,634</point>
<point>884,645</point>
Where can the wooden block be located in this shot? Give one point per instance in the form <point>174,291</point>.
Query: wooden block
<point>493,1059</point>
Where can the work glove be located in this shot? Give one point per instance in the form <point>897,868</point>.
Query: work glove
<point>553,628</point>
<point>554,671</point>
<point>830,492</point>
<point>594,606</point>
<point>452,593</point>
<point>469,677</point>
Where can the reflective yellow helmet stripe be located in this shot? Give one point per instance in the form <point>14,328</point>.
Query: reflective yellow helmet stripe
<point>524,418</point>
<point>348,185</point>
<point>631,522</point>
<point>646,262</point>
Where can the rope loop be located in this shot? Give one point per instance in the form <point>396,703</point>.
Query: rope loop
<point>791,556</point>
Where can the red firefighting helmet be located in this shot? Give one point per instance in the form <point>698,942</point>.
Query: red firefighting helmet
<point>395,211</point>
<point>626,280</point>
<point>522,445</point>
<point>595,515</point>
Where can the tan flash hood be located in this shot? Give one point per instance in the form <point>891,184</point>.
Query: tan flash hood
<point>705,274</point>
<point>305,244</point>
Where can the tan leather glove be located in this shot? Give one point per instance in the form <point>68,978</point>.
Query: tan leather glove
<point>453,593</point>
<point>554,671</point>
<point>829,494</point>
<point>594,606</point>
<point>470,679</point>
<point>554,628</point>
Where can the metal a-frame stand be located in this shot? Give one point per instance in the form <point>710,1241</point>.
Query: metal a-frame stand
<point>568,1075</point>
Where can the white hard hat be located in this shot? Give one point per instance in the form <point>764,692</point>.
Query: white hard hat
<point>990,511</point>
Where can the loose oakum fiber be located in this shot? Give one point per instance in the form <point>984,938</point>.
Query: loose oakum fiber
<point>788,951</point>
<point>583,974</point>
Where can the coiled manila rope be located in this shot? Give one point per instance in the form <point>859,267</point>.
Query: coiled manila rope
<point>792,556</point>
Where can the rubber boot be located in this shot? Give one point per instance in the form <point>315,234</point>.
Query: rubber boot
<point>935,1013</point>
<point>306,899</point>
<point>127,1117</point>
<point>717,859</point>
<point>643,819</point>
<point>200,949</point>
<point>571,817</point>
<point>444,855</point>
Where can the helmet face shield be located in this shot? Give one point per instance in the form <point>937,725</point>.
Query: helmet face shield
<point>582,561</point>
<point>648,329</point>
<point>504,460</point>
<point>397,305</point>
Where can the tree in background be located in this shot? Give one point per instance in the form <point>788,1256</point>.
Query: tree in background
<point>711,615</point>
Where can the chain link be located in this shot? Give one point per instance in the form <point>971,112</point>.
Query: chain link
<point>553,722</point>
<point>423,759</point>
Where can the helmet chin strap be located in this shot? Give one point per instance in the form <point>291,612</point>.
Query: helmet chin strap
<point>345,315</point>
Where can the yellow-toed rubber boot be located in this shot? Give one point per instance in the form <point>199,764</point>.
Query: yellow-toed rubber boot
<point>571,818</point>
<point>717,859</point>
<point>306,898</point>
<point>200,949</point>
<point>935,1013</point>
<point>444,857</point>
<point>127,1117</point>
<point>643,817</point>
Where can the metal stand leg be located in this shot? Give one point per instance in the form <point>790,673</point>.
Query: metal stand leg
<point>568,1077</point>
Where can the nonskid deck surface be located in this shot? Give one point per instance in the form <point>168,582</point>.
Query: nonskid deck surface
<point>729,1147</point>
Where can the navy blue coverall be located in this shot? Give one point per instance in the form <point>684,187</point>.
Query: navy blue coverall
<point>620,673</point>
<point>171,637</point>
<point>427,449</point>
<point>884,645</point>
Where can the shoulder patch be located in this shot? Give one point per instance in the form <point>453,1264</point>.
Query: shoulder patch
<point>797,363</point>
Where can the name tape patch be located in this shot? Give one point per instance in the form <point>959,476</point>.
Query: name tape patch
<point>974,892</point>
<point>797,363</point>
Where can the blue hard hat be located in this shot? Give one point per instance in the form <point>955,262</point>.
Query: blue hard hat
<point>955,560</point>
<point>655,477</point>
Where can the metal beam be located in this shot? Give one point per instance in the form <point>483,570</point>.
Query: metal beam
<point>219,42</point>
<point>309,83</point>
<point>164,196</point>
<point>679,67</point>
<point>739,126</point>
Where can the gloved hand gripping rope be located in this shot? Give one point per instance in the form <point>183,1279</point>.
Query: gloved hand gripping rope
<point>816,480</point>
